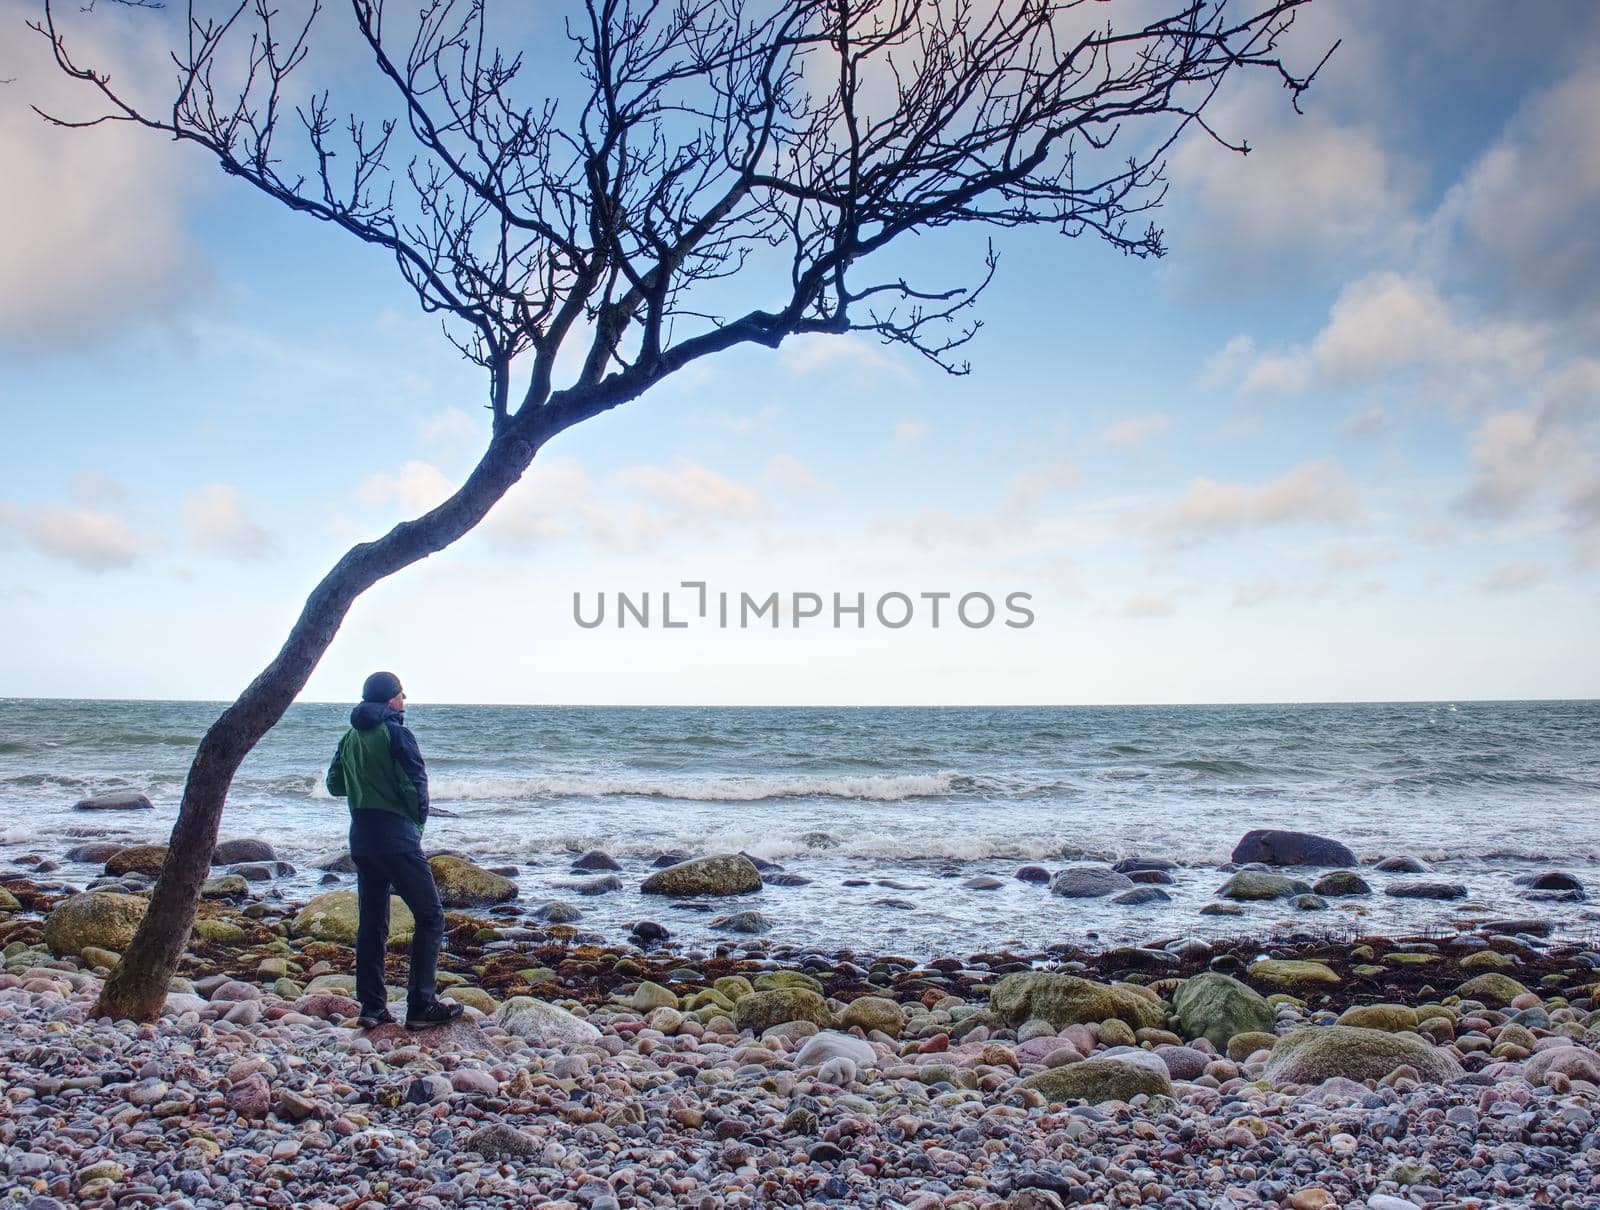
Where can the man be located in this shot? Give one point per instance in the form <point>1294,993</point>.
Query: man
<point>378,767</point>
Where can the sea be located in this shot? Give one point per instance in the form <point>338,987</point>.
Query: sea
<point>890,813</point>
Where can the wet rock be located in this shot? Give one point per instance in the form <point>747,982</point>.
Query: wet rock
<point>1271,846</point>
<point>1089,882</point>
<point>96,852</point>
<point>983,882</point>
<point>726,874</point>
<point>1573,1062</point>
<point>1143,865</point>
<point>227,886</point>
<point>649,932</point>
<point>137,859</point>
<point>462,884</point>
<point>1340,884</point>
<point>1142,895</point>
<point>1494,989</point>
<point>339,862</point>
<point>596,859</point>
<point>122,800</point>
<point>231,852</point>
<point>1426,890</point>
<point>874,1013</point>
<point>1309,903</point>
<point>742,922</point>
<point>1294,974</point>
<point>604,884</point>
<point>760,1011</point>
<point>1550,880</point>
<point>1066,1000</point>
<point>1150,877</point>
<point>1032,873</point>
<point>783,878</point>
<point>558,912</point>
<point>1253,884</point>
<point>1403,865</point>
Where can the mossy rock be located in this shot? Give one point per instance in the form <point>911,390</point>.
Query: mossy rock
<point>775,979</point>
<point>472,997</point>
<point>1391,1018</point>
<point>1341,884</point>
<point>710,997</point>
<point>1216,1007</point>
<point>8,901</point>
<point>333,917</point>
<point>1494,989</point>
<point>1310,1056</point>
<point>1254,884</point>
<point>760,1011</point>
<point>462,884</point>
<point>137,859</point>
<point>1407,958</point>
<point>222,932</point>
<point>225,886</point>
<point>1367,970</point>
<point>1241,1046</point>
<point>734,986</point>
<point>1066,1000</point>
<point>1291,972</point>
<point>1488,960</point>
<point>724,874</point>
<point>103,919</point>
<point>93,956</point>
<point>650,995</point>
<point>874,1013</point>
<point>1097,1080</point>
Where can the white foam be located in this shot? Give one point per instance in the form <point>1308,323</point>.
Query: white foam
<point>879,788</point>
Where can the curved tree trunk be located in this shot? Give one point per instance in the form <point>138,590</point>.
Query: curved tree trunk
<point>137,988</point>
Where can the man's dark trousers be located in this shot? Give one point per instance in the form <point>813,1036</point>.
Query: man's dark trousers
<point>409,876</point>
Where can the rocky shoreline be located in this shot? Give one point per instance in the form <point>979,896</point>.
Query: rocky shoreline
<point>1317,1068</point>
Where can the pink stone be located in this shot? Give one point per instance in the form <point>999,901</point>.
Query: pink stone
<point>327,1006</point>
<point>1083,1038</point>
<point>1526,1000</point>
<point>250,1097</point>
<point>1574,1062</point>
<point>934,1045</point>
<point>469,1079</point>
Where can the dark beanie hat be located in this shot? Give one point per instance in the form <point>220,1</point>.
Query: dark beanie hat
<point>380,687</point>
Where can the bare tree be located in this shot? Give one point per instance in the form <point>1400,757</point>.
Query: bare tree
<point>765,149</point>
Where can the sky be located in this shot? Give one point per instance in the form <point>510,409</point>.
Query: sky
<point>1341,443</point>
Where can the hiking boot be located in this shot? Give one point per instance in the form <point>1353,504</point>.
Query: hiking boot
<point>440,1012</point>
<point>371,1020</point>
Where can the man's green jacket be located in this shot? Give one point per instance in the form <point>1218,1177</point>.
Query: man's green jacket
<point>379,768</point>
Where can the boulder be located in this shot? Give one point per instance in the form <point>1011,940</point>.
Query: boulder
<point>102,919</point>
<point>462,884</point>
<point>122,800</point>
<point>1253,884</point>
<point>97,852</point>
<point>725,874</point>
<point>874,1013</point>
<point>1310,1056</point>
<point>1089,882</point>
<point>1138,865</point>
<point>1391,1018</point>
<point>1403,865</point>
<point>1551,880</point>
<point>1426,890</point>
<point>1141,895</point>
<point>499,1140</point>
<point>227,886</point>
<point>222,932</point>
<point>231,852</point>
<point>1183,1062</point>
<point>339,862</point>
<point>137,859</point>
<point>1493,989</point>
<point>1100,1079</point>
<point>1289,972</point>
<point>596,859</point>
<point>8,901</point>
<point>543,1024</point>
<point>760,1011</point>
<point>1242,1046</point>
<point>558,911</point>
<point>1216,1007</point>
<point>333,917</point>
<point>1574,1062</point>
<point>1032,873</point>
<point>1066,1000</point>
<point>1272,847</point>
<point>1341,883</point>
<point>821,1047</point>
<point>742,922</point>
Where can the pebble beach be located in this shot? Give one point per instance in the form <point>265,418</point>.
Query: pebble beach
<point>1303,1066</point>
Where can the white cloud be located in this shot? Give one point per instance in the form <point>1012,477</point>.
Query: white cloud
<point>1028,489</point>
<point>416,487</point>
<point>94,487</point>
<point>810,355</point>
<point>1368,422</point>
<point>1548,448</point>
<point>1515,577</point>
<point>87,538</point>
<point>453,428</point>
<point>96,219</point>
<point>1313,492</point>
<point>217,523</point>
<point>788,474</point>
<point>1135,431</point>
<point>690,489</point>
<point>1257,592</point>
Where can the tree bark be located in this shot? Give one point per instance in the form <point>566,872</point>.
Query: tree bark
<point>137,988</point>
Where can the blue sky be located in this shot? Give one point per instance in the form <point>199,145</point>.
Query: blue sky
<point>1340,444</point>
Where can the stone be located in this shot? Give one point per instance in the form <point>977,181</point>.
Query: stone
<point>1066,1000</point>
<point>1032,873</point>
<point>94,956</point>
<point>558,911</point>
<point>1141,895</point>
<point>1183,1062</point>
<point>1310,1056</point>
<point>1488,960</point>
<point>1242,1046</point>
<point>1494,989</point>
<point>1216,1007</point>
<point>1150,877</point>
<point>742,922</point>
<point>543,1024</point>
<point>228,886</point>
<point>601,884</point>
<point>339,862</point>
<point>1089,882</point>
<point>1254,884</point>
<point>828,1045</point>
<point>232,852</point>
<point>760,1011</point>
<point>222,932</point>
<point>462,884</point>
<point>1273,847</point>
<point>1426,890</point>
<point>137,859</point>
<point>1288,972</point>
<point>251,1097</point>
<point>596,859</point>
<point>1403,865</point>
<point>725,874</point>
<point>1309,903</point>
<point>332,916</point>
<point>983,882</point>
<point>1574,1062</point>
<point>1222,909</point>
<point>874,1013</point>
<point>1391,1018</point>
<point>650,995</point>
<point>1100,1079</point>
<point>103,919</point>
<point>1553,880</point>
<point>498,1140</point>
<point>1341,884</point>
<point>96,852</point>
<point>122,800</point>
<point>472,997</point>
